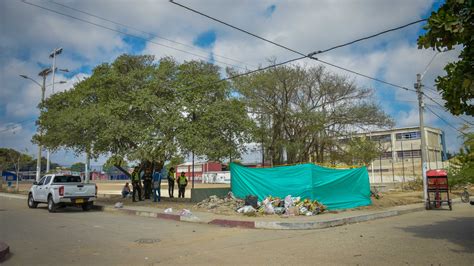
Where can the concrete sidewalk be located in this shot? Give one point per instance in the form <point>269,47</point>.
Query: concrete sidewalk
<point>324,220</point>
<point>272,221</point>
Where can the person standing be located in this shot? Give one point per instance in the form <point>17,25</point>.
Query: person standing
<point>157,185</point>
<point>136,184</point>
<point>182,183</point>
<point>171,180</point>
<point>147,180</point>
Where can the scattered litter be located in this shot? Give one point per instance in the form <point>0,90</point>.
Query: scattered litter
<point>169,210</point>
<point>118,205</point>
<point>185,212</point>
<point>247,209</point>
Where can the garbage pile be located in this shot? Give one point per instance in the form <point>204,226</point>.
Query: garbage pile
<point>227,205</point>
<point>289,206</point>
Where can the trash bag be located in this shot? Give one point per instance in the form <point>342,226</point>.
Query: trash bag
<point>296,200</point>
<point>269,209</point>
<point>169,210</point>
<point>276,202</point>
<point>288,201</point>
<point>230,195</point>
<point>279,210</point>
<point>185,212</point>
<point>251,200</point>
<point>118,205</point>
<point>292,211</point>
<point>246,209</point>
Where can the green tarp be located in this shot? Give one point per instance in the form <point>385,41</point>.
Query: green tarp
<point>335,188</point>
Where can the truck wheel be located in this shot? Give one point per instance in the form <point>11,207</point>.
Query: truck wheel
<point>51,204</point>
<point>32,204</point>
<point>87,206</point>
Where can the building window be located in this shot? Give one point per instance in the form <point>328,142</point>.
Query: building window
<point>408,135</point>
<point>387,155</point>
<point>409,154</point>
<point>380,170</point>
<point>381,138</point>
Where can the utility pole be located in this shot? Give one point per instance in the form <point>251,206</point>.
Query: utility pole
<point>421,106</point>
<point>87,168</point>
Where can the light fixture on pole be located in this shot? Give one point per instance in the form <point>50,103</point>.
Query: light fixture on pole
<point>44,73</point>
<point>53,55</point>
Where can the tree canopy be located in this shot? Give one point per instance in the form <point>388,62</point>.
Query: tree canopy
<point>139,109</point>
<point>78,167</point>
<point>302,113</point>
<point>453,25</point>
<point>9,159</point>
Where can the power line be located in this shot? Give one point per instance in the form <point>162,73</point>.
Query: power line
<point>371,36</point>
<point>444,109</point>
<point>366,76</point>
<point>447,123</point>
<point>148,33</point>
<point>128,34</point>
<point>311,55</point>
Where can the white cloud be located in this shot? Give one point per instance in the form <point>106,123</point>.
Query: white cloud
<point>28,35</point>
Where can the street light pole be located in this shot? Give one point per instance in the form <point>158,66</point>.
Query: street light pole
<point>44,73</point>
<point>53,54</point>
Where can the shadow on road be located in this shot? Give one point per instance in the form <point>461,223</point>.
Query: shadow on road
<point>458,231</point>
<point>68,209</point>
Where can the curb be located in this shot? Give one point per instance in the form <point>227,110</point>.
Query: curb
<point>273,225</point>
<point>4,250</point>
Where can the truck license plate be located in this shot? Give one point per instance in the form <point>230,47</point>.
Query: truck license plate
<point>79,200</point>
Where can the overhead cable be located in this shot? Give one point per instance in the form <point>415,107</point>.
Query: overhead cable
<point>148,33</point>
<point>445,121</point>
<point>150,40</point>
<point>444,108</point>
<point>311,55</point>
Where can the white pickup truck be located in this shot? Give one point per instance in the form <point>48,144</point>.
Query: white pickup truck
<point>59,190</point>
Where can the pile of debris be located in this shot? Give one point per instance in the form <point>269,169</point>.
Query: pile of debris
<point>227,205</point>
<point>289,206</point>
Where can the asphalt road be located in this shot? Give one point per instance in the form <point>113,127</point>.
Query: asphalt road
<point>37,237</point>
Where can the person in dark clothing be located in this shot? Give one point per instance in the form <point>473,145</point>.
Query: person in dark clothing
<point>182,183</point>
<point>147,180</point>
<point>157,175</point>
<point>136,184</point>
<point>171,180</point>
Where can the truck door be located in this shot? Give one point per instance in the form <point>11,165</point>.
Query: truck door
<point>43,188</point>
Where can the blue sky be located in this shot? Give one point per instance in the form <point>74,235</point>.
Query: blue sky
<point>298,24</point>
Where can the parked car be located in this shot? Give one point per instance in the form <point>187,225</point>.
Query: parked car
<point>58,190</point>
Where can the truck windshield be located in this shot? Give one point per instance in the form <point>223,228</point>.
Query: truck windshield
<point>67,179</point>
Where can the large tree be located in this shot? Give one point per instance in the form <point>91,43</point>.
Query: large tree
<point>302,112</point>
<point>453,25</point>
<point>139,109</point>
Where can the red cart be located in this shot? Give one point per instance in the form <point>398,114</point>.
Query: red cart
<point>438,189</point>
